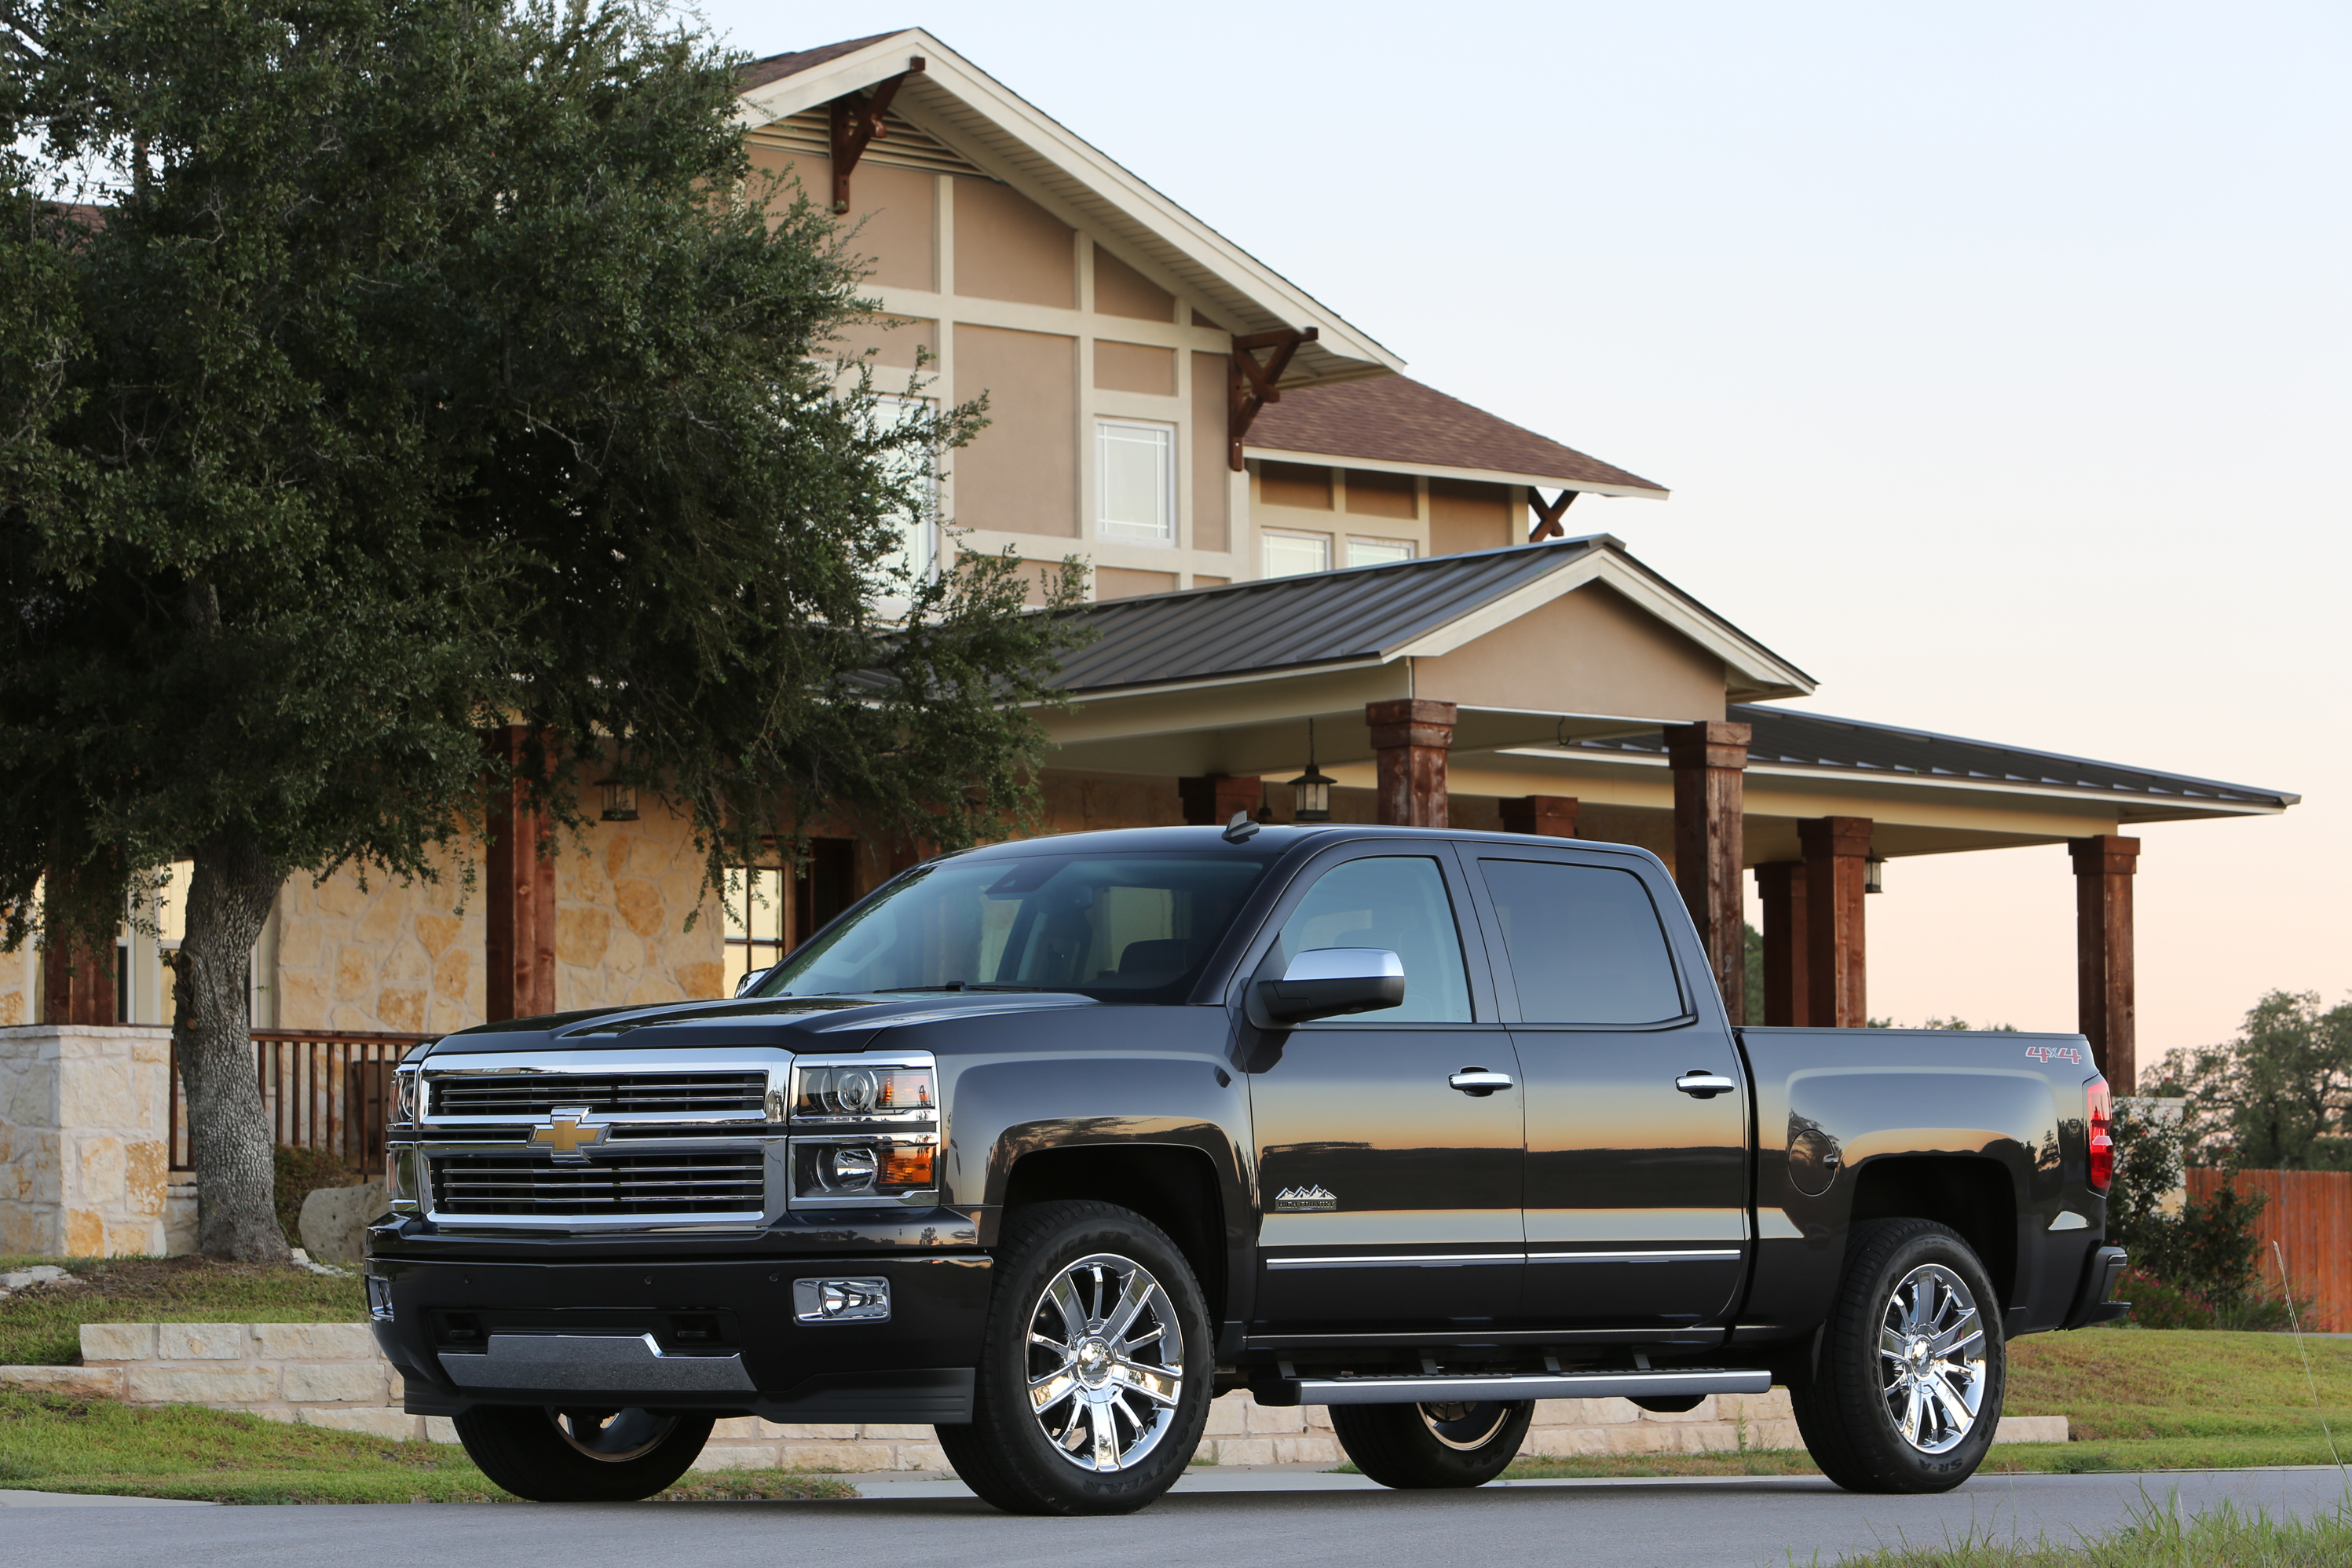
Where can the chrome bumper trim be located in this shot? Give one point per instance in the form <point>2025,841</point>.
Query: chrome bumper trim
<point>592,1364</point>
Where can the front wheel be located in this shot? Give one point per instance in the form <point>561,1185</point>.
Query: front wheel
<point>1906,1384</point>
<point>1452,1445</point>
<point>1095,1367</point>
<point>550,1454</point>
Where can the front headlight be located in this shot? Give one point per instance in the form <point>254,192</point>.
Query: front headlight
<point>406,1091</point>
<point>865,1130</point>
<point>884,1168</point>
<point>402,1177</point>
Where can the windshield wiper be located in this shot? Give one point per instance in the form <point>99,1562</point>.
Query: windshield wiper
<point>954,985</point>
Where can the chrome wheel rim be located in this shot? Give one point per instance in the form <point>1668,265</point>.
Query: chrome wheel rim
<point>1106,1362</point>
<point>613,1437</point>
<point>1464,1425</point>
<point>1931,1357</point>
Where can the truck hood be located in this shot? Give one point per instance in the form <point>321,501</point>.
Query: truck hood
<point>789,1023</point>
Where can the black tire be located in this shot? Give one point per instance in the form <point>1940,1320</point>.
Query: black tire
<point>1008,1454</point>
<point>1418,1446</point>
<point>581,1456</point>
<point>1853,1399</point>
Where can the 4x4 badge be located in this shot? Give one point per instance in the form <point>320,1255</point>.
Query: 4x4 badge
<point>1303,1199</point>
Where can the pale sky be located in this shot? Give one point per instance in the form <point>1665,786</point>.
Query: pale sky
<point>1995,354</point>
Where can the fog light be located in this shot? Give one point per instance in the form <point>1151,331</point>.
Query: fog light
<point>841,1301</point>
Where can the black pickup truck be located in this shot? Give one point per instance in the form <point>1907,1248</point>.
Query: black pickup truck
<point>1047,1144</point>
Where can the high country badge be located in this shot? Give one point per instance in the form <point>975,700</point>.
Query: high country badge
<point>1303,1199</point>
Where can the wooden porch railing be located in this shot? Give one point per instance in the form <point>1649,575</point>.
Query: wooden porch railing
<point>329,1090</point>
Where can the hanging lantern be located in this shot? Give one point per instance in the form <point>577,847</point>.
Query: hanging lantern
<point>620,800</point>
<point>1873,874</point>
<point>1310,792</point>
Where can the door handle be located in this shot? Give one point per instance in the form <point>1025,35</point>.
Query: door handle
<point>1479,1082</point>
<point>1705,1085</point>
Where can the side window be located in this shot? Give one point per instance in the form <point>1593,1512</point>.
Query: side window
<point>1584,943</point>
<point>1398,903</point>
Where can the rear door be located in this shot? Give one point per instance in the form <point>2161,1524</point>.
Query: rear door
<point>1637,1115</point>
<point>1390,1198</point>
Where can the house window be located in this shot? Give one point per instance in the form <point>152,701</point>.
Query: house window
<point>1135,480</point>
<point>755,926</point>
<point>1378,552</point>
<point>1288,555</point>
<point>918,527</point>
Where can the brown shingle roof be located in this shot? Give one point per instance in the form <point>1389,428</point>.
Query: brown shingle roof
<point>775,68</point>
<point>1393,419</point>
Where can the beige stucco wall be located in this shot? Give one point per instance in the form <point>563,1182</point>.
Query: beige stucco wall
<point>1585,651</point>
<point>1020,474</point>
<point>1008,247</point>
<point>1135,367</point>
<point>1466,515</point>
<point>1121,290</point>
<point>1212,504</point>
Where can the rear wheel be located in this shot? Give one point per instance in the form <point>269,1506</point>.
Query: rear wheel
<point>1463,1443</point>
<point>1906,1386</point>
<point>1095,1367</point>
<point>550,1454</point>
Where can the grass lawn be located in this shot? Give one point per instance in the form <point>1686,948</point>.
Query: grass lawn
<point>2224,1537</point>
<point>40,1325</point>
<point>50,1444</point>
<point>2136,1399</point>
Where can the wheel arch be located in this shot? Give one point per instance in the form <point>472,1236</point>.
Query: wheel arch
<point>1174,1186</point>
<point>1974,1196</point>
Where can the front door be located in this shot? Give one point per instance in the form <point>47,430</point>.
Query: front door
<point>1637,1162</point>
<point>1390,1196</point>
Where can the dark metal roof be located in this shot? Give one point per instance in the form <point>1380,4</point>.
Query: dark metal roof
<point>1291,622</point>
<point>1854,745</point>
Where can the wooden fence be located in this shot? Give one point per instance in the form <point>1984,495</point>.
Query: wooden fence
<point>2309,1216</point>
<point>323,1089</point>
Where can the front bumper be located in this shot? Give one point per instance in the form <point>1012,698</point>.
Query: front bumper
<point>720,1335</point>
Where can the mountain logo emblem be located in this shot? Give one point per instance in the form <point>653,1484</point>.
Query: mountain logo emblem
<point>1304,1200</point>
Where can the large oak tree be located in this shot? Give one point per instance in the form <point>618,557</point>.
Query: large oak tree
<point>377,373</point>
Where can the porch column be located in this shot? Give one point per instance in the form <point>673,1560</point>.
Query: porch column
<point>518,906</point>
<point>2105,1010</point>
<point>1411,736</point>
<point>1837,853</point>
<point>1781,886</point>
<point>1709,760</point>
<point>1546,816</point>
<point>1211,801</point>
<point>76,982</point>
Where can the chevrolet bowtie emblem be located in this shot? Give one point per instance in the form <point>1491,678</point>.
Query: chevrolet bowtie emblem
<point>566,1135</point>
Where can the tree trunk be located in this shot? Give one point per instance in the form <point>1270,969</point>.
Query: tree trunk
<point>229,900</point>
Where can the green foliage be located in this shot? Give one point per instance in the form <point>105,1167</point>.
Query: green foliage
<point>419,368</point>
<point>1752,950</point>
<point>2206,1255</point>
<point>2275,1097</point>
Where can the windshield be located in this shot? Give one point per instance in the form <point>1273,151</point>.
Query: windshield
<point>1120,928</point>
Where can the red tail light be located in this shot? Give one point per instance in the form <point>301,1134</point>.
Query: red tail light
<point>2103,1143</point>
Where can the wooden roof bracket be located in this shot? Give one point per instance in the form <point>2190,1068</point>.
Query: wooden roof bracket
<point>1251,383</point>
<point>856,121</point>
<point>1550,512</point>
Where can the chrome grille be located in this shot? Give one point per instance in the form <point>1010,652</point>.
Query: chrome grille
<point>528,1096</point>
<point>733,1182</point>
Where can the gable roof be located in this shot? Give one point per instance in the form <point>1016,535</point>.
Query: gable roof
<point>1785,739</point>
<point>1398,420</point>
<point>1375,614</point>
<point>1011,140</point>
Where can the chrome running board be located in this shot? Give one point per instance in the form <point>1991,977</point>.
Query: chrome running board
<point>1425,1390</point>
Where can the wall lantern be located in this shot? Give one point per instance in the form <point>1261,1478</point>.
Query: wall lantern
<point>620,800</point>
<point>1310,792</point>
<point>1873,874</point>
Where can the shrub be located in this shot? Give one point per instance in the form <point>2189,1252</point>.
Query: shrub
<point>300,1173</point>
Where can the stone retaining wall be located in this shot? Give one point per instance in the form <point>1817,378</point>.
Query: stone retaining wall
<point>331,1375</point>
<point>83,1140</point>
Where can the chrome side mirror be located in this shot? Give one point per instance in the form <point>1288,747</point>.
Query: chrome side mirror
<point>1332,982</point>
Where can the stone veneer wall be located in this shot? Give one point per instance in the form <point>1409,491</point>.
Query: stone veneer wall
<point>408,960</point>
<point>16,987</point>
<point>83,1141</point>
<point>331,1375</point>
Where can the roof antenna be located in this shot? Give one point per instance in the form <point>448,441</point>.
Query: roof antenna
<point>1241,829</point>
